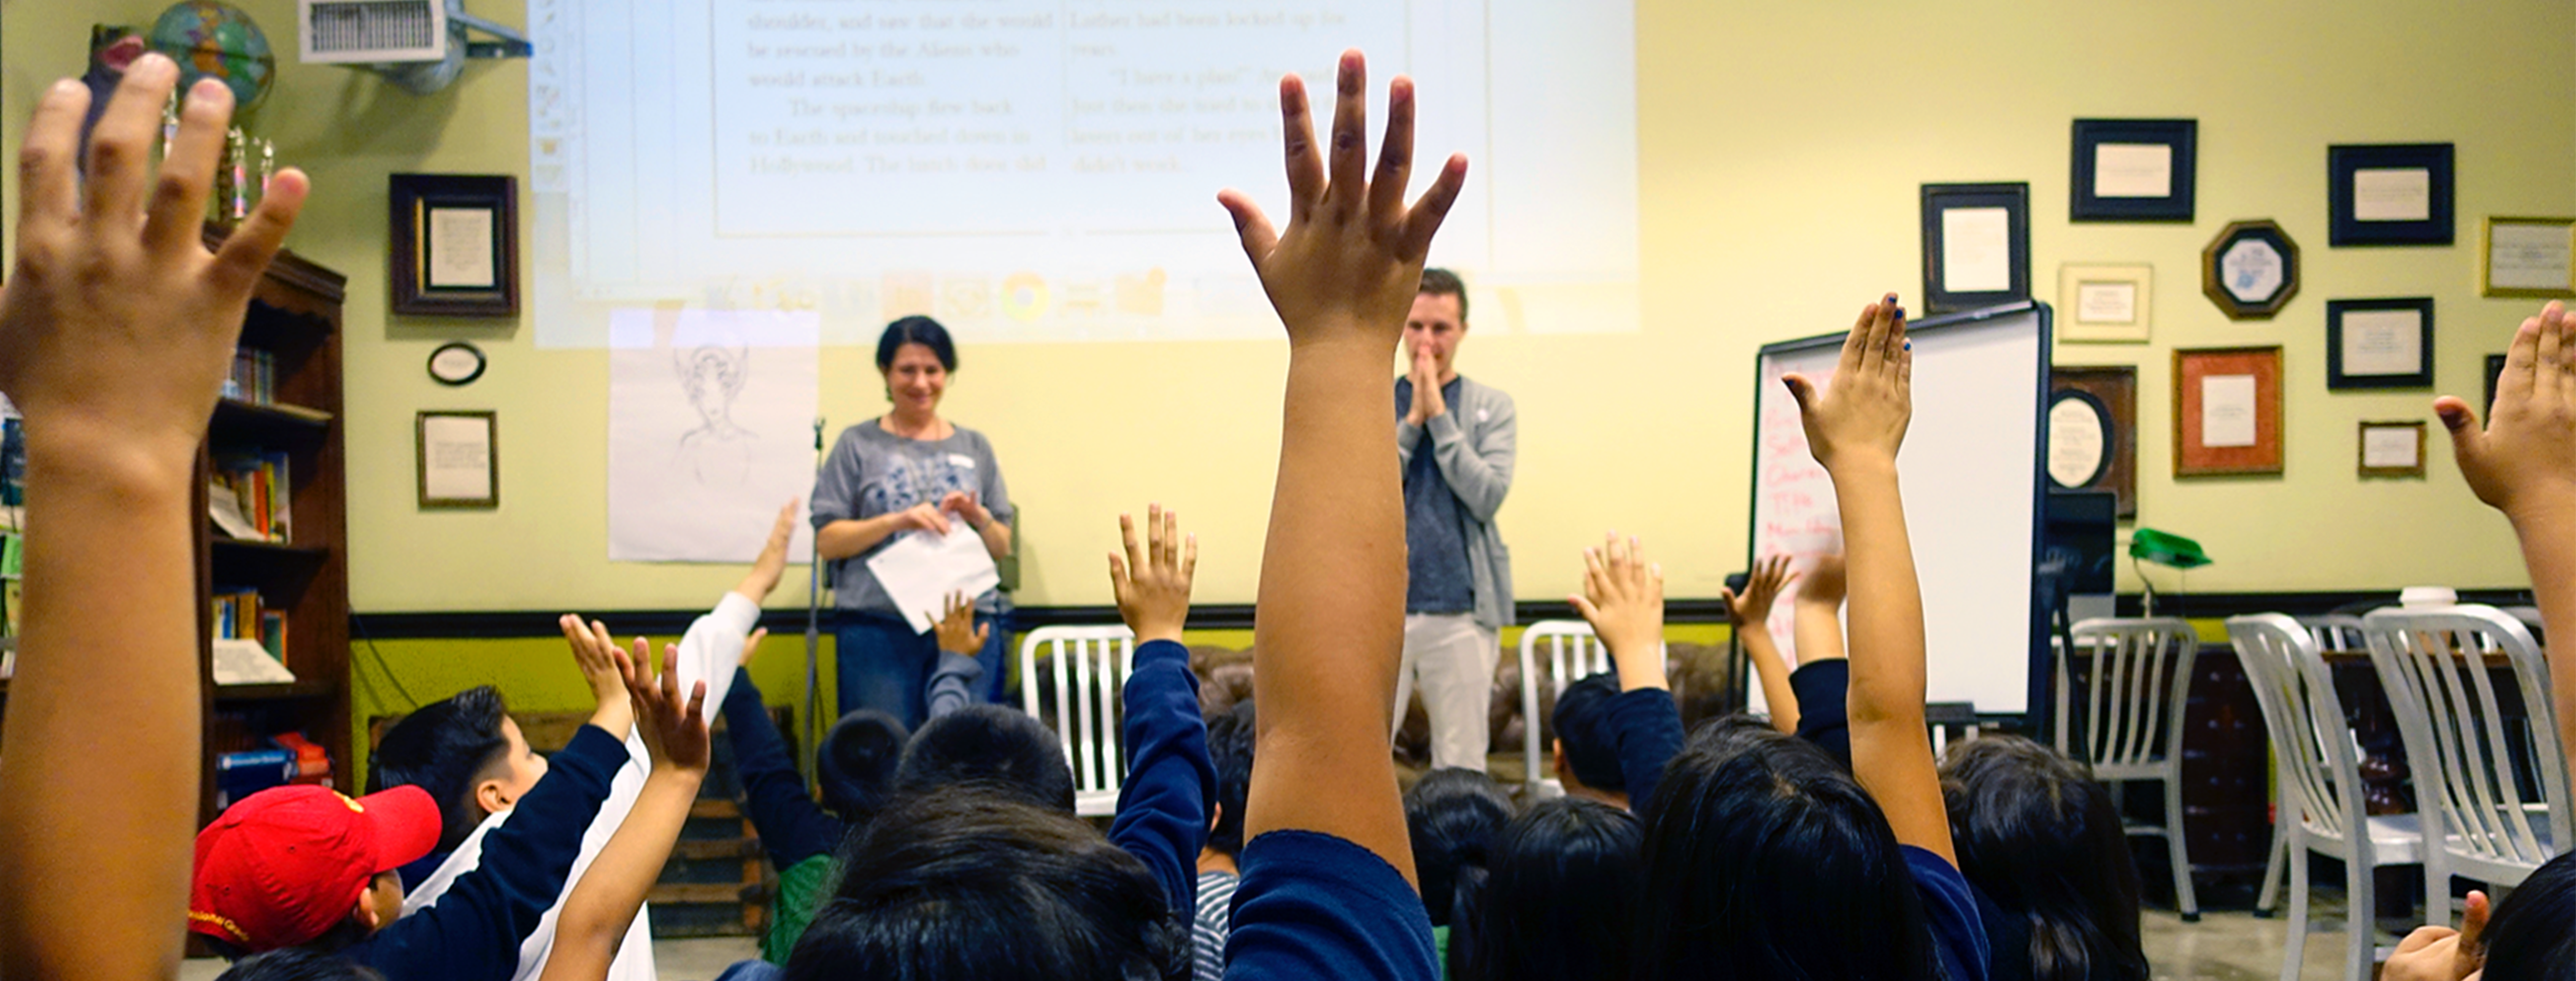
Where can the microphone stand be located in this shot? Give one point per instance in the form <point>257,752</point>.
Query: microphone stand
<point>814,635</point>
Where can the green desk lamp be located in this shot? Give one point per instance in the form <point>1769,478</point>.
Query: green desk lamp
<point>2162,548</point>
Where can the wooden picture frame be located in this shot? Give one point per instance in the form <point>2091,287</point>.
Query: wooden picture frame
<point>2251,270</point>
<point>2113,390</point>
<point>2133,170</point>
<point>2379,344</point>
<point>1976,245</point>
<point>2538,257</point>
<point>454,249</point>
<point>2227,412</point>
<point>2105,304</point>
<point>2389,194</point>
<point>457,459</point>
<point>2392,449</point>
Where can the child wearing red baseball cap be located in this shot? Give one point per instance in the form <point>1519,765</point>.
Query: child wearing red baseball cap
<point>288,865</point>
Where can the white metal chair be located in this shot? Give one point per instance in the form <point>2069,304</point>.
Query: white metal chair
<point>1573,653</point>
<point>2319,762</point>
<point>2496,824</point>
<point>2335,633</point>
<point>1084,688</point>
<point>2132,721</point>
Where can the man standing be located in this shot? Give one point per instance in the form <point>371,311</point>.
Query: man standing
<point>1455,439</point>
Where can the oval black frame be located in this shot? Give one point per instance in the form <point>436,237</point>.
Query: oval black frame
<point>481,362</point>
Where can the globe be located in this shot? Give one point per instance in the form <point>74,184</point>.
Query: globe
<point>213,39</point>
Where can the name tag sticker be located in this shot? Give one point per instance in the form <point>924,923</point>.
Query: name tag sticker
<point>1484,415</point>
<point>961,460</point>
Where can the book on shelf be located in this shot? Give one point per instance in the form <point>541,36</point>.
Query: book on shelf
<point>254,376</point>
<point>238,615</point>
<point>252,496</point>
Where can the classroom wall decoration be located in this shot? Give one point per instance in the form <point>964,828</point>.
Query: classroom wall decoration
<point>2392,449</point>
<point>2133,170</point>
<point>2227,411</point>
<point>710,429</point>
<point>2105,304</point>
<point>2390,194</point>
<point>2533,257</point>
<point>1976,245</point>
<point>2093,414</point>
<point>455,244</point>
<point>2379,344</point>
<point>2251,270</point>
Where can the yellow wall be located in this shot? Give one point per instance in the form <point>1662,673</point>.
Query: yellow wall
<point>1781,149</point>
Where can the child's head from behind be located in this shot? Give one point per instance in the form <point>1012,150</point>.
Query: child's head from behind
<point>856,763</point>
<point>303,866</point>
<point>1765,859</point>
<point>1454,814</point>
<point>1230,739</point>
<point>466,752</point>
<point>1002,749</point>
<point>1560,901</point>
<point>963,882</point>
<point>1587,749</point>
<point>297,965</point>
<point>2044,842</point>
<point>2532,934</point>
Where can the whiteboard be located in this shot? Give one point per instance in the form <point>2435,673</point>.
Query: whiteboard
<point>1971,471</point>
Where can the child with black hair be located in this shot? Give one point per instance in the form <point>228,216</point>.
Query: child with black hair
<point>1006,749</point>
<point>1560,897</point>
<point>470,756</point>
<point>1585,751</point>
<point>2043,845</point>
<point>1230,740</point>
<point>1452,815</point>
<point>292,964</point>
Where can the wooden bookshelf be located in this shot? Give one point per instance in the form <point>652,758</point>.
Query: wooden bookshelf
<point>295,315</point>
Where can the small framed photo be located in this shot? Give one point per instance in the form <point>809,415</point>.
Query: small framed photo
<point>2227,411</point>
<point>2392,449</point>
<point>459,460</point>
<point>2093,431</point>
<point>2533,257</point>
<point>2389,194</point>
<point>2251,270</point>
<point>2372,344</point>
<point>2495,373</point>
<point>1976,245</point>
<point>455,247</point>
<point>2133,169</point>
<point>2104,304</point>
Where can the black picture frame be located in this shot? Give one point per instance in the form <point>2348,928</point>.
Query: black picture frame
<point>1938,199</point>
<point>2181,136</point>
<point>2495,373</point>
<point>416,201</point>
<point>2346,227</point>
<point>2251,304</point>
<point>2339,375</point>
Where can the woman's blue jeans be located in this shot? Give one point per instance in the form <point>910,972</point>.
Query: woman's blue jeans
<point>885,666</point>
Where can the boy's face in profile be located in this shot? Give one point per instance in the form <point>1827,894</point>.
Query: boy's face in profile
<point>385,898</point>
<point>519,772</point>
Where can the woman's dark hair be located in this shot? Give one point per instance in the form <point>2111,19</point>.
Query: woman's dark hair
<point>856,764</point>
<point>445,748</point>
<point>1003,748</point>
<point>1560,903</point>
<point>1229,739</point>
<point>1765,860</point>
<point>920,330</point>
<point>2532,934</point>
<point>2043,841</point>
<point>964,883</point>
<point>297,964</point>
<point>1454,815</point>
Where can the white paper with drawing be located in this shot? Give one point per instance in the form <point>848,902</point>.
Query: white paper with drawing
<point>920,569</point>
<point>710,429</point>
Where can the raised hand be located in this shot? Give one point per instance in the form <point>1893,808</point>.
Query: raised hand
<point>1623,599</point>
<point>595,652</point>
<point>1860,417</point>
<point>1351,260</point>
<point>2525,457</point>
<point>772,562</point>
<point>1761,589</point>
<point>924,516</point>
<point>751,646</point>
<point>674,732</point>
<point>2439,953</point>
<point>117,325</point>
<point>958,631</point>
<point>1153,583</point>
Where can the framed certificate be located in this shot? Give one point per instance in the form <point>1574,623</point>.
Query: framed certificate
<point>2389,194</point>
<point>2251,270</point>
<point>2104,304</point>
<point>459,461</point>
<point>2133,170</point>
<point>2093,431</point>
<point>2227,411</point>
<point>2528,257</point>
<point>2374,344</point>
<point>455,245</point>
<point>1976,245</point>
<point>2392,449</point>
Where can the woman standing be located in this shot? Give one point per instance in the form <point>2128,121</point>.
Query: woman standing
<point>908,471</point>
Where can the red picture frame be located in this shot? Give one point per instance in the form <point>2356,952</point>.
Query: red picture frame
<point>2193,455</point>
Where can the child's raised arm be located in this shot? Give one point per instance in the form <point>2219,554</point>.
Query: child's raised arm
<point>1855,425</point>
<point>1750,614</point>
<point>1331,600</point>
<point>116,329</point>
<point>596,915</point>
<point>2524,464</point>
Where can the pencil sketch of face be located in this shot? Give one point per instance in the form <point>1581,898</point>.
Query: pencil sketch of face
<point>713,375</point>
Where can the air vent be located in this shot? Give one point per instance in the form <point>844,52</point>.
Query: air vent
<point>373,31</point>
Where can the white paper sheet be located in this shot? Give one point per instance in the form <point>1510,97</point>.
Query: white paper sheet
<point>1976,250</point>
<point>2227,410</point>
<point>710,429</point>
<point>2383,342</point>
<point>2390,446</point>
<point>456,458</point>
<point>2528,257</point>
<point>920,569</point>
<point>460,249</point>
<point>2133,170</point>
<point>2392,194</point>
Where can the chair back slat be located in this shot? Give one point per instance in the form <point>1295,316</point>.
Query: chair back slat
<point>1089,669</point>
<point>2498,821</point>
<point>1573,653</point>
<point>2312,743</point>
<point>2133,698</point>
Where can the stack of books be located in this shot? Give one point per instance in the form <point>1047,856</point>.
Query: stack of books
<point>254,376</point>
<point>238,616</point>
<point>253,496</point>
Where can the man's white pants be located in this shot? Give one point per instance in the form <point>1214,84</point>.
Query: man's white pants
<point>1455,660</point>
